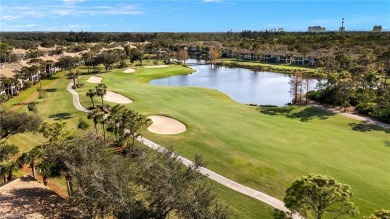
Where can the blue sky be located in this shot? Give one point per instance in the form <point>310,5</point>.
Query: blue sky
<point>189,15</point>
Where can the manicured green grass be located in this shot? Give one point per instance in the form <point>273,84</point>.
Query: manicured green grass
<point>262,150</point>
<point>241,206</point>
<point>57,106</point>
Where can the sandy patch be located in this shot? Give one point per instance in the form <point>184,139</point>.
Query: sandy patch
<point>165,125</point>
<point>27,198</point>
<point>157,66</point>
<point>129,70</point>
<point>95,80</point>
<point>116,98</point>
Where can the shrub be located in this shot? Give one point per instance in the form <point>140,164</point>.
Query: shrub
<point>82,124</point>
<point>42,94</point>
<point>3,98</point>
<point>366,108</point>
<point>27,84</point>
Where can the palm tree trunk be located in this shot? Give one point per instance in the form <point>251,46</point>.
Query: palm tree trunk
<point>45,180</point>
<point>69,185</point>
<point>93,103</point>
<point>104,132</point>
<point>33,168</point>
<point>307,90</point>
<point>102,100</point>
<point>10,175</point>
<point>127,142</point>
<point>96,129</point>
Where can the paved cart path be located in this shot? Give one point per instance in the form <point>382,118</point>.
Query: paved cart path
<point>272,201</point>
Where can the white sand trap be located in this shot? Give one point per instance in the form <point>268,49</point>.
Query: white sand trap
<point>157,66</point>
<point>165,125</point>
<point>95,80</point>
<point>129,70</point>
<point>116,98</point>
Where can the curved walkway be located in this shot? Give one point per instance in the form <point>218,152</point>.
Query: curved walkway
<point>272,201</point>
<point>76,99</point>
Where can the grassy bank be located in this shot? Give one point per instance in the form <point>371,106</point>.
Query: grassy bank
<point>266,151</point>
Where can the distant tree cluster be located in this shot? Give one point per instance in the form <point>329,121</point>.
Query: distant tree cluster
<point>361,82</point>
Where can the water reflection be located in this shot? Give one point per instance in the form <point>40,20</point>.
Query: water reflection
<point>242,85</point>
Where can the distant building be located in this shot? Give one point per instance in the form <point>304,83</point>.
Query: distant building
<point>377,28</point>
<point>280,29</point>
<point>316,29</point>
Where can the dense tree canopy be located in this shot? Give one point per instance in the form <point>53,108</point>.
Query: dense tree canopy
<point>317,196</point>
<point>151,185</point>
<point>12,123</point>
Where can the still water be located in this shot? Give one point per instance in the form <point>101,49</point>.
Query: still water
<point>242,85</point>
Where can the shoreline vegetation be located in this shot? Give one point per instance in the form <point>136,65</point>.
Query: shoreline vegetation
<point>260,66</point>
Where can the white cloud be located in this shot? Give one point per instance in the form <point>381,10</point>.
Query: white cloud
<point>72,1</point>
<point>10,17</point>
<point>31,25</point>
<point>14,12</point>
<point>215,1</point>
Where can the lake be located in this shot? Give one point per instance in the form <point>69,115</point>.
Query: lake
<point>242,85</point>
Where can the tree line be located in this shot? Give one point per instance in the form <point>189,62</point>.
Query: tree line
<point>362,83</point>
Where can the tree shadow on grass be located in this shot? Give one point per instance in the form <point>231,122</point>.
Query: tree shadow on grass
<point>387,143</point>
<point>367,127</point>
<point>273,111</point>
<point>310,113</point>
<point>61,116</point>
<point>304,115</point>
<point>50,90</point>
<point>20,104</point>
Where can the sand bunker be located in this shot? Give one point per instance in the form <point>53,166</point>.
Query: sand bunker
<point>116,98</point>
<point>165,125</point>
<point>95,80</point>
<point>129,70</point>
<point>157,66</point>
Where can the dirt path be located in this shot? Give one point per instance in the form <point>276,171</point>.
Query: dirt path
<point>27,198</point>
<point>52,185</point>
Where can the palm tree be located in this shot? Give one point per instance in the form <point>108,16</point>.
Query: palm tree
<point>3,171</point>
<point>101,90</point>
<point>77,77</point>
<point>31,157</point>
<point>115,119</point>
<point>73,77</point>
<point>6,165</point>
<point>102,118</point>
<point>96,115</point>
<point>91,93</point>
